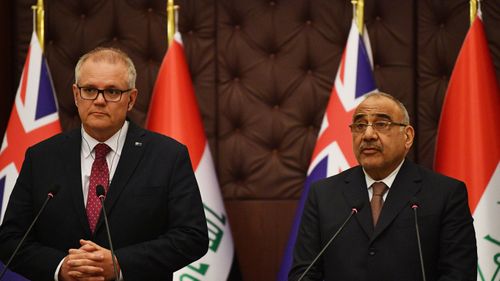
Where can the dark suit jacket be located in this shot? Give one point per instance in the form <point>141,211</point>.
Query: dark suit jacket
<point>154,208</point>
<point>389,252</point>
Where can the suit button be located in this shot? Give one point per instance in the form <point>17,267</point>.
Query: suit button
<point>372,252</point>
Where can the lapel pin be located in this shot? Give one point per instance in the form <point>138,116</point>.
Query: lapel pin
<point>137,143</point>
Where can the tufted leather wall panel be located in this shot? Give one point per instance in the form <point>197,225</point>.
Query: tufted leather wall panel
<point>262,72</point>
<point>441,32</point>
<point>7,64</point>
<point>274,78</point>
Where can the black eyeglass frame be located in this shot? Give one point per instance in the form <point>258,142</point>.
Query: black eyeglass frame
<point>387,124</point>
<point>102,91</point>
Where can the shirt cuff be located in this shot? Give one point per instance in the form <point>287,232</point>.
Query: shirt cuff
<point>56,274</point>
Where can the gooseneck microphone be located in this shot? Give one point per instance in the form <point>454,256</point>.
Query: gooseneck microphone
<point>355,209</point>
<point>101,193</point>
<point>415,205</point>
<point>52,192</point>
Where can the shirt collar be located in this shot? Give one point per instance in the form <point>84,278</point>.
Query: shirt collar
<point>389,180</point>
<point>115,142</point>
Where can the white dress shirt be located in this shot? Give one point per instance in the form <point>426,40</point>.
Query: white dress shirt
<point>388,181</point>
<point>87,155</point>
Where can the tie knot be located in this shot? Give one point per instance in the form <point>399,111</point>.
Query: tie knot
<point>101,150</point>
<point>379,188</point>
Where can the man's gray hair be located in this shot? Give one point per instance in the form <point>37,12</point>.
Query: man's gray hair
<point>406,116</point>
<point>110,55</point>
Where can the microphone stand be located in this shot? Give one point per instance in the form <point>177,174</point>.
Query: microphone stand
<point>414,206</point>
<point>100,193</point>
<point>50,195</point>
<point>353,211</point>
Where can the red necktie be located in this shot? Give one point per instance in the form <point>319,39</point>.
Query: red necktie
<point>98,176</point>
<point>379,189</point>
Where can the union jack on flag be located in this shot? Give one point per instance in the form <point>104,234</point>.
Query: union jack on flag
<point>333,151</point>
<point>33,118</point>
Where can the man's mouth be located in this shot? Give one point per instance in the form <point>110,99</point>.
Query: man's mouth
<point>370,149</point>
<point>98,113</point>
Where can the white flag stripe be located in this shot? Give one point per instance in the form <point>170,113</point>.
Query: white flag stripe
<point>219,262</point>
<point>487,226</point>
<point>5,143</point>
<point>10,173</point>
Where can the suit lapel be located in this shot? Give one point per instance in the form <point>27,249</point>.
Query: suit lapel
<point>73,175</point>
<point>131,154</point>
<point>356,194</point>
<point>405,186</point>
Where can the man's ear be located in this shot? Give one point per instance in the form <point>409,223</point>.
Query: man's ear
<point>75,94</point>
<point>132,99</point>
<point>409,136</point>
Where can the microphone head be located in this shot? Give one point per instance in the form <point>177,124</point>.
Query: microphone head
<point>53,190</point>
<point>414,203</point>
<point>100,191</point>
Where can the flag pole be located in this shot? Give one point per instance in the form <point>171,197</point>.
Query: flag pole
<point>473,10</point>
<point>358,11</point>
<point>171,20</point>
<point>39,22</point>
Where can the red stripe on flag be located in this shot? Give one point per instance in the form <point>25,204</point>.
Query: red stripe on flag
<point>337,129</point>
<point>18,140</point>
<point>468,143</point>
<point>342,68</point>
<point>174,110</point>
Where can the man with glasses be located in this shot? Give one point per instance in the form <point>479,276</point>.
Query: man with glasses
<point>380,242</point>
<point>152,199</point>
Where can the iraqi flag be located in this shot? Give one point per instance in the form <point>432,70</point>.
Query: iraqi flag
<point>333,151</point>
<point>33,118</point>
<point>174,112</point>
<point>468,143</point>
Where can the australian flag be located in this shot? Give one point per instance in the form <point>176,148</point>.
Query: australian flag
<point>34,117</point>
<point>333,151</point>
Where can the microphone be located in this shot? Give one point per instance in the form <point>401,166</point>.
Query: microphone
<point>100,192</point>
<point>355,209</point>
<point>52,192</point>
<point>415,205</point>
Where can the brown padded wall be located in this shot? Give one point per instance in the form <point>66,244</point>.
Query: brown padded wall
<point>7,82</point>
<point>441,33</point>
<point>262,72</point>
<point>275,66</point>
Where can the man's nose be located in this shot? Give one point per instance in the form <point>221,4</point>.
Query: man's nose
<point>100,98</point>
<point>370,133</point>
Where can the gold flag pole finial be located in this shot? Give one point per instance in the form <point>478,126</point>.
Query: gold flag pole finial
<point>39,22</point>
<point>473,10</point>
<point>171,20</point>
<point>358,11</point>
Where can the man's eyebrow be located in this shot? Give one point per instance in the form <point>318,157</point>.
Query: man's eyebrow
<point>92,86</point>
<point>383,116</point>
<point>358,116</point>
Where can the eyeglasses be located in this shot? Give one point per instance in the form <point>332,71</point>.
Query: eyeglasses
<point>112,95</point>
<point>379,126</point>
